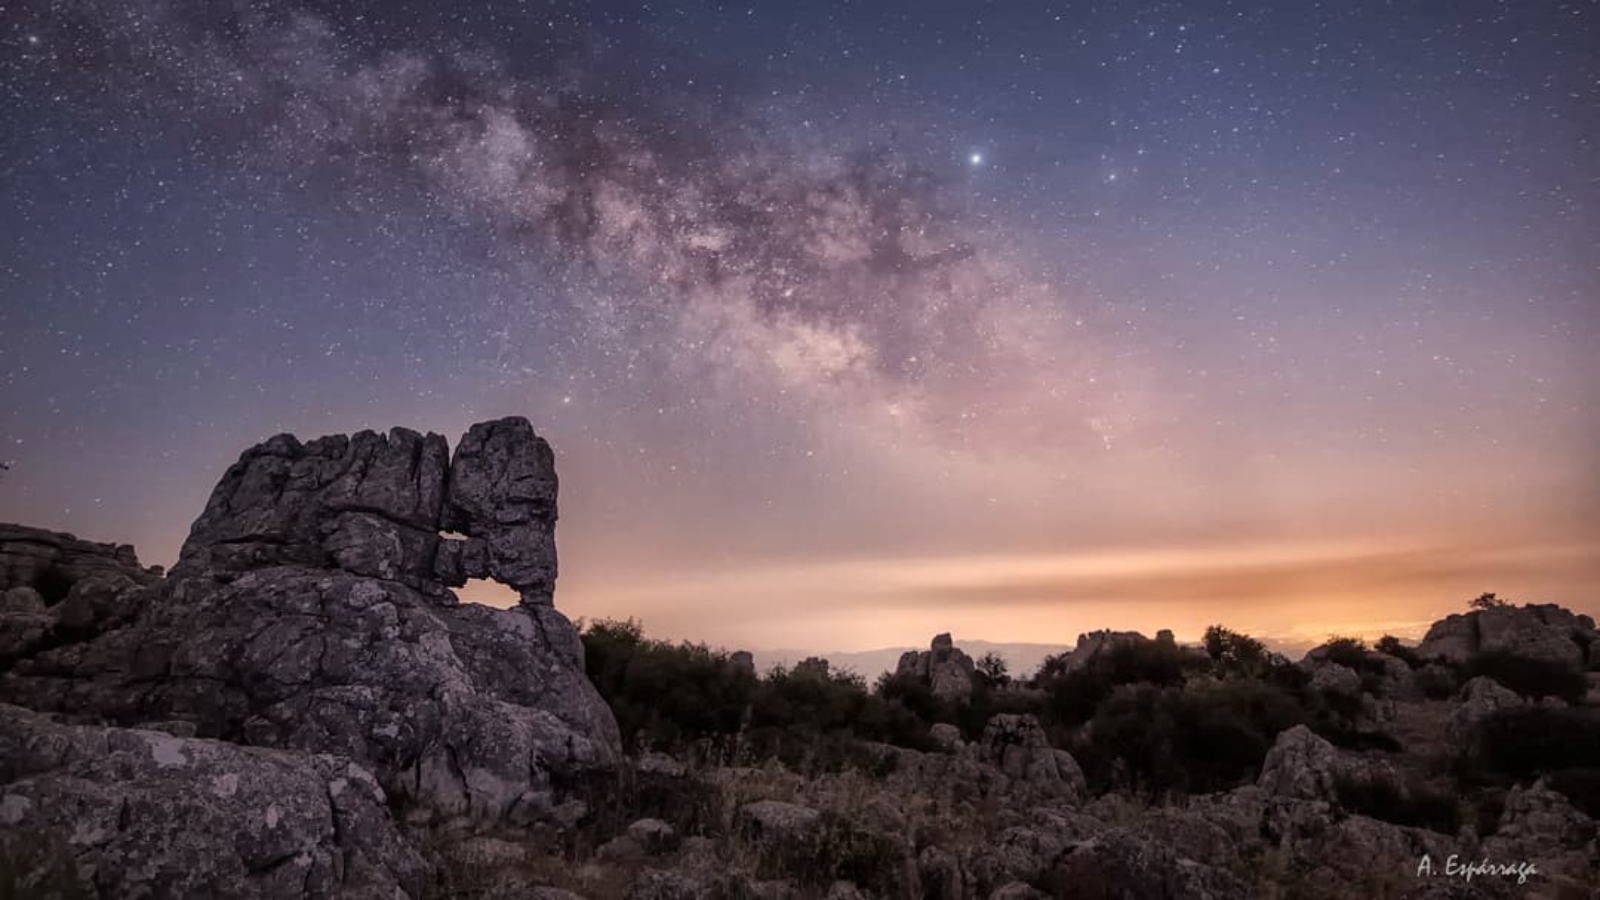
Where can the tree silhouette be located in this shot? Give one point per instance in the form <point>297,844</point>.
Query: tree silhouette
<point>1487,601</point>
<point>993,667</point>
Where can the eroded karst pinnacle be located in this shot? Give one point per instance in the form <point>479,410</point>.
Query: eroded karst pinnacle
<point>375,505</point>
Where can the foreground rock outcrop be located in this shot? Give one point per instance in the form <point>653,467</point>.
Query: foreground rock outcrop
<point>310,611</point>
<point>146,813</point>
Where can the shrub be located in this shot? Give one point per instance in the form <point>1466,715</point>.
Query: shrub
<point>1487,601</point>
<point>1522,744</point>
<point>1172,740</point>
<point>662,694</point>
<point>1529,677</point>
<point>1581,786</point>
<point>916,696</point>
<point>837,848</point>
<point>1347,651</point>
<point>39,867</point>
<point>1391,645</point>
<point>1412,804</point>
<point>991,670</point>
<point>1438,682</point>
<point>813,721</point>
<point>1234,652</point>
<point>1073,696</point>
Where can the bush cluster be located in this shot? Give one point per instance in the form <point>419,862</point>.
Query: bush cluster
<point>1412,804</point>
<point>1149,717</point>
<point>1529,677</point>
<point>1391,645</point>
<point>689,699</point>
<point>1561,745</point>
<point>1171,740</point>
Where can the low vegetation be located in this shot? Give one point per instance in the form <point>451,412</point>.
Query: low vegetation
<point>1411,803</point>
<point>1150,718</point>
<point>1560,745</point>
<point>1533,678</point>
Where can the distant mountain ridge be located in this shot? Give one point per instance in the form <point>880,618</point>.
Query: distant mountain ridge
<point>1022,659</point>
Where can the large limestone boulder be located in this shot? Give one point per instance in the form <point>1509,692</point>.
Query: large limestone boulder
<point>503,493</point>
<point>1544,632</point>
<point>1016,745</point>
<point>1333,678</point>
<point>944,668</point>
<point>1397,680</point>
<point>1453,639</point>
<point>309,612</point>
<point>368,504</point>
<point>376,505</point>
<point>1479,699</point>
<point>145,814</point>
<point>1301,764</point>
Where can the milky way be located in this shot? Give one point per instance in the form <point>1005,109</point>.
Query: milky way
<point>847,324</point>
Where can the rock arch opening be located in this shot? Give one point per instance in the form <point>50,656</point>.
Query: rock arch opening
<point>488,592</point>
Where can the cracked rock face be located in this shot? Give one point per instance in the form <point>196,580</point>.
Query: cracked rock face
<point>376,505</point>
<point>310,611</point>
<point>142,813</point>
<point>1542,632</point>
<point>944,668</point>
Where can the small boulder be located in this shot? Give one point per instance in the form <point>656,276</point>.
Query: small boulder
<point>844,890</point>
<point>22,600</point>
<point>1017,890</point>
<point>1481,698</point>
<point>654,836</point>
<point>1333,678</point>
<point>945,736</point>
<point>661,884</point>
<point>775,819</point>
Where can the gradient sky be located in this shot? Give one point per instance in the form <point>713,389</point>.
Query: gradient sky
<point>849,322</point>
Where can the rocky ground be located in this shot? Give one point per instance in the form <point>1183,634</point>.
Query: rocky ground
<point>302,708</point>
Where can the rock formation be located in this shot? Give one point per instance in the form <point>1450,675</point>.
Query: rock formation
<point>1544,632</point>
<point>50,563</point>
<point>1016,745</point>
<point>150,814</point>
<point>310,611</point>
<point>375,505</point>
<point>1095,644</point>
<point>943,668</point>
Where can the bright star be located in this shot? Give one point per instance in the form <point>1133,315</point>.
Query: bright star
<point>976,159</point>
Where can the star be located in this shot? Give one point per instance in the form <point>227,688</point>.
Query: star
<point>976,159</point>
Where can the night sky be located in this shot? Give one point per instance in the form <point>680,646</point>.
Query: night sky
<point>849,322</point>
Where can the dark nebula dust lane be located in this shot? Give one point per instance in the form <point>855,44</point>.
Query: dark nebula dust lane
<point>847,324</point>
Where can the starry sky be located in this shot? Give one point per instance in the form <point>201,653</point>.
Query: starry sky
<point>849,322</point>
